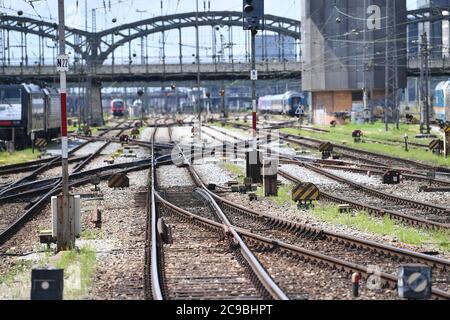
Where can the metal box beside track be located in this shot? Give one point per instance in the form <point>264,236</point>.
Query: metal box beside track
<point>392,177</point>
<point>47,284</point>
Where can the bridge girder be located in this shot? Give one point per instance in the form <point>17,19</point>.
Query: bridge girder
<point>90,44</point>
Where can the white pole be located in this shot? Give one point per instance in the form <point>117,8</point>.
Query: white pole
<point>65,236</point>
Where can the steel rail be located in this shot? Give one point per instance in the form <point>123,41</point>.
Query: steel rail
<point>380,194</point>
<point>307,254</point>
<point>51,163</point>
<point>54,190</point>
<point>411,220</point>
<point>266,280</point>
<point>311,232</point>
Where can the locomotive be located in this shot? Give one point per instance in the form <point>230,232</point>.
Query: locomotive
<point>287,103</point>
<point>117,107</point>
<point>29,110</point>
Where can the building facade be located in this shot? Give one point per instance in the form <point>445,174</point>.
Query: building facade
<point>344,51</point>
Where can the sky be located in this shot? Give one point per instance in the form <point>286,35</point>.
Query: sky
<point>126,11</point>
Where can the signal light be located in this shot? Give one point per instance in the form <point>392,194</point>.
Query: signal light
<point>222,93</point>
<point>173,86</point>
<point>248,6</point>
<point>253,14</point>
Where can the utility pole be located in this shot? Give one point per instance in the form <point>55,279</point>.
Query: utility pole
<point>66,231</point>
<point>391,65</point>
<point>365,97</point>
<point>424,86</point>
<point>254,102</point>
<point>253,20</point>
<point>198,74</point>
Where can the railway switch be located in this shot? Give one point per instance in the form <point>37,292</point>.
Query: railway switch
<point>414,282</point>
<point>47,284</point>
<point>392,177</point>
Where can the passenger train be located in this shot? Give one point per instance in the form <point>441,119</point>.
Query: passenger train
<point>117,107</point>
<point>288,103</point>
<point>29,110</point>
<point>441,106</point>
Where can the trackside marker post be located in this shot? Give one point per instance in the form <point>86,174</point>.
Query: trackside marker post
<point>65,230</point>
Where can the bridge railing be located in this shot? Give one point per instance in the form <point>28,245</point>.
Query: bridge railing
<point>138,69</point>
<point>414,63</point>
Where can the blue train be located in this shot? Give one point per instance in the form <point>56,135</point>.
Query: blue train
<point>26,110</point>
<point>290,103</point>
<point>441,106</point>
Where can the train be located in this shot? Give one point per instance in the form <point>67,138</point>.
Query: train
<point>29,111</point>
<point>441,105</point>
<point>289,103</point>
<point>118,107</point>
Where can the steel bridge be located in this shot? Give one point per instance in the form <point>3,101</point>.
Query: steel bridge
<point>94,53</point>
<point>94,58</point>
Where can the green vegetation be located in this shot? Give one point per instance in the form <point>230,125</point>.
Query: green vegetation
<point>343,135</point>
<point>20,267</point>
<point>382,226</point>
<point>92,234</point>
<point>18,156</point>
<point>82,261</point>
<point>235,170</point>
<point>284,195</point>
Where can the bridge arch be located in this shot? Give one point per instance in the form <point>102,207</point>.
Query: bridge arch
<point>90,44</point>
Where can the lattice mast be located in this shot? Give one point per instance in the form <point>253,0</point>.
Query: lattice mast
<point>391,67</point>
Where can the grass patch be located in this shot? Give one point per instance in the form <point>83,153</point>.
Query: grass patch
<point>383,226</point>
<point>92,234</point>
<point>284,195</point>
<point>342,135</point>
<point>20,267</point>
<point>18,156</point>
<point>82,261</point>
<point>235,170</point>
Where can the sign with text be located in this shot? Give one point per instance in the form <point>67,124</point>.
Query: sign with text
<point>62,63</point>
<point>254,75</point>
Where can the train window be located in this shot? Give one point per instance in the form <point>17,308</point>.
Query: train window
<point>118,104</point>
<point>10,95</point>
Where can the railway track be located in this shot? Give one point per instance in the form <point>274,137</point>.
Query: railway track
<point>36,194</point>
<point>211,263</point>
<point>411,211</point>
<point>377,168</point>
<point>361,155</point>
<point>40,166</point>
<point>270,243</point>
<point>401,209</point>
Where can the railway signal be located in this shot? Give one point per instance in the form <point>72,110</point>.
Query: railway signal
<point>253,14</point>
<point>253,20</point>
<point>140,93</point>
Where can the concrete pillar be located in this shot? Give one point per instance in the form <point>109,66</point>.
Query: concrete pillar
<point>94,101</point>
